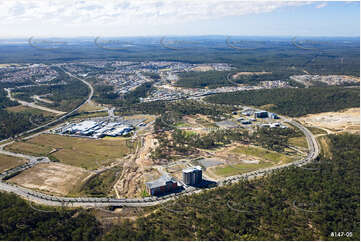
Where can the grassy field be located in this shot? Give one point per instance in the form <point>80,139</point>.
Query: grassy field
<point>102,184</point>
<point>90,115</point>
<point>262,153</point>
<point>315,130</point>
<point>266,157</point>
<point>182,124</point>
<point>116,138</point>
<point>148,117</point>
<point>298,141</point>
<point>8,162</point>
<point>240,168</point>
<point>29,148</point>
<point>190,132</point>
<point>81,152</point>
<point>90,107</point>
<point>325,143</point>
<point>23,109</point>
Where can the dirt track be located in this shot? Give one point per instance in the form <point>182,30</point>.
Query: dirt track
<point>131,181</point>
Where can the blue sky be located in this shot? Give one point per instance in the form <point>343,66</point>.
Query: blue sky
<point>74,18</point>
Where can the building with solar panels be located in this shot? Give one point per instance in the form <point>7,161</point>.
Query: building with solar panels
<point>192,176</point>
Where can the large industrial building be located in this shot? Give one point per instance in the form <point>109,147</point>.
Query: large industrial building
<point>273,115</point>
<point>265,114</point>
<point>261,114</point>
<point>192,176</point>
<point>162,185</point>
<point>98,129</point>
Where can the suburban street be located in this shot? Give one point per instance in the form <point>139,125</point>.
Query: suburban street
<point>91,93</point>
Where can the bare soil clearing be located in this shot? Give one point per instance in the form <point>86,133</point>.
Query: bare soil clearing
<point>246,73</point>
<point>202,68</point>
<point>136,168</point>
<point>345,121</point>
<point>52,177</point>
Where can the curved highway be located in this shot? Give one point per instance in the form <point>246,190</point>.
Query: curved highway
<point>91,93</point>
<point>45,199</point>
<point>50,200</point>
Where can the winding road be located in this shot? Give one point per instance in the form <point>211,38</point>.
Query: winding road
<point>91,93</point>
<point>50,200</point>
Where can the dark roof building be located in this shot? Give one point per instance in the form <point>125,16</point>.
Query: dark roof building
<point>162,185</point>
<point>261,114</point>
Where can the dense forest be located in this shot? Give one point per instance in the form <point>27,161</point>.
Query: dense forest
<point>64,97</point>
<point>207,79</point>
<point>261,53</point>
<point>4,101</point>
<point>173,110</point>
<point>291,204</point>
<point>105,94</point>
<point>255,79</point>
<point>214,79</point>
<point>294,102</point>
<point>12,123</point>
<point>19,221</point>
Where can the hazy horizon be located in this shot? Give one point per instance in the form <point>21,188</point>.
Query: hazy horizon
<point>148,18</point>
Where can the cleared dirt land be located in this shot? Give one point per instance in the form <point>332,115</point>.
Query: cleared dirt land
<point>244,73</point>
<point>52,177</point>
<point>203,68</point>
<point>347,120</point>
<point>136,169</point>
<point>82,152</point>
<point>8,162</point>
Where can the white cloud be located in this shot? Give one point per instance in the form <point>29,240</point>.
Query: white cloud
<point>130,11</point>
<point>322,5</point>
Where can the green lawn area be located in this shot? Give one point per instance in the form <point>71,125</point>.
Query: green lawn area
<point>29,148</point>
<point>315,130</point>
<point>181,125</point>
<point>189,132</point>
<point>24,109</point>
<point>240,168</point>
<point>298,141</point>
<point>273,158</point>
<point>262,153</point>
<point>90,115</point>
<point>81,152</point>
